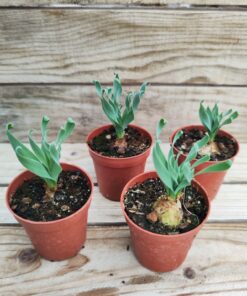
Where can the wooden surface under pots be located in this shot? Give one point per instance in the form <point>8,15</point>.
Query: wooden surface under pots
<point>215,265</point>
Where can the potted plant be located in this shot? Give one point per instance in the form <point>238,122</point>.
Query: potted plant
<point>119,151</point>
<point>220,146</point>
<point>166,208</point>
<point>50,199</point>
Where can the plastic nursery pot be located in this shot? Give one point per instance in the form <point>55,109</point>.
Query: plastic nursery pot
<point>210,181</point>
<point>113,173</point>
<point>58,239</point>
<point>160,252</point>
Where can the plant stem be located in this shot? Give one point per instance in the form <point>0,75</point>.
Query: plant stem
<point>49,192</point>
<point>120,134</point>
<point>51,187</point>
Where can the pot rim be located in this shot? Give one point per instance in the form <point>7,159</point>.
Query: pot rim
<point>202,127</point>
<point>7,198</point>
<point>116,158</point>
<point>157,235</point>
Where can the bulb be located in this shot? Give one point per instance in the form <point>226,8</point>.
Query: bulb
<point>167,211</point>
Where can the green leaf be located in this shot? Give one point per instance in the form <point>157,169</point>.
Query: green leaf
<point>162,123</point>
<point>128,100</point>
<point>55,167</point>
<point>176,137</point>
<point>161,169</point>
<point>108,91</point>
<point>205,117</point>
<point>16,143</point>
<point>44,123</point>
<point>181,186</point>
<point>98,88</point>
<point>128,116</point>
<point>215,111</point>
<point>202,160</point>
<point>218,167</point>
<point>65,131</point>
<point>109,111</point>
<point>117,88</point>
<point>160,154</point>
<point>143,88</point>
<point>196,147</point>
<point>226,113</point>
<point>136,101</point>
<point>230,119</point>
<point>39,153</point>
<point>32,165</point>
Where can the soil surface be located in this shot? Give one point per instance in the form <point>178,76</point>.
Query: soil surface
<point>31,202</point>
<point>105,143</point>
<point>139,202</point>
<point>227,146</point>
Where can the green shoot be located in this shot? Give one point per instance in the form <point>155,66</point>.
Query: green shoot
<point>213,120</point>
<point>112,107</point>
<point>176,177</point>
<point>42,160</point>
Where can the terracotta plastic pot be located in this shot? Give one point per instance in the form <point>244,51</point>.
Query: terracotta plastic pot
<point>113,173</point>
<point>210,181</point>
<point>58,239</point>
<point>159,252</point>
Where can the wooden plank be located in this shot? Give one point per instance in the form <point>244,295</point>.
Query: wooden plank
<point>162,46</point>
<point>216,265</point>
<point>25,105</point>
<point>230,205</point>
<point>83,3</point>
<point>78,154</point>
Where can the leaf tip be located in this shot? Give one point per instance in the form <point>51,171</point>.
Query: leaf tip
<point>9,126</point>
<point>46,118</point>
<point>70,120</point>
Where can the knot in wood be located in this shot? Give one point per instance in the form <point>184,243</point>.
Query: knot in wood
<point>28,256</point>
<point>189,273</point>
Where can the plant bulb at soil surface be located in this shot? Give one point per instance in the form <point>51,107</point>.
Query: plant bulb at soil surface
<point>210,149</point>
<point>167,211</point>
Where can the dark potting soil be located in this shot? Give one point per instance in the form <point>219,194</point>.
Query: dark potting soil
<point>104,144</point>
<point>139,202</point>
<point>227,146</point>
<point>31,202</point>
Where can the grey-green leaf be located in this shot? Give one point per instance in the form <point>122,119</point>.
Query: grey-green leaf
<point>218,167</point>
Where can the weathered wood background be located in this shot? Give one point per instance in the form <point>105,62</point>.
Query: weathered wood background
<point>50,51</point>
<point>215,266</point>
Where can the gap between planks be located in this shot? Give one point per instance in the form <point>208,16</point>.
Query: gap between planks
<point>127,4</point>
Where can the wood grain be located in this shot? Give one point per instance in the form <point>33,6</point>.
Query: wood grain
<point>217,260</point>
<point>185,49</point>
<point>128,3</point>
<point>162,46</point>
<point>25,106</point>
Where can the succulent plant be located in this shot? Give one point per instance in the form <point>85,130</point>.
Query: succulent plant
<point>110,98</point>
<point>42,160</point>
<point>176,177</point>
<point>212,121</point>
